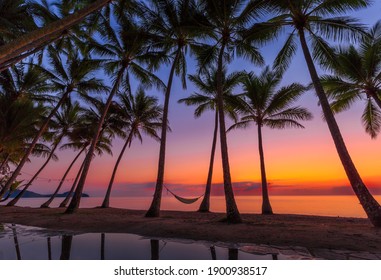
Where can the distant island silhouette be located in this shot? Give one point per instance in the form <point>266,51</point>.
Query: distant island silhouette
<point>29,194</point>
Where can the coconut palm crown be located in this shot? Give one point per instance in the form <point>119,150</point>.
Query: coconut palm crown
<point>357,77</point>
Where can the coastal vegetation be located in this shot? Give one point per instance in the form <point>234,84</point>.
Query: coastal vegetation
<point>73,75</point>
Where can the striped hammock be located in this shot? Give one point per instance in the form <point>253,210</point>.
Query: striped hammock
<point>182,199</point>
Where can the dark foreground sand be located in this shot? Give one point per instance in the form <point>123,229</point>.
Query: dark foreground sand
<point>283,230</point>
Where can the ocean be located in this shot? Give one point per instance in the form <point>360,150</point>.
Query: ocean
<point>342,206</point>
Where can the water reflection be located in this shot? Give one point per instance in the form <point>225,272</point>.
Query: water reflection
<point>16,242</point>
<point>66,247</point>
<point>49,249</point>
<point>29,243</point>
<point>103,237</point>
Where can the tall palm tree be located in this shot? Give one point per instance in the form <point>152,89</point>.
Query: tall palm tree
<point>317,19</point>
<point>140,113</point>
<point>61,124</point>
<point>228,31</point>
<point>357,76</point>
<point>75,76</point>
<point>207,100</point>
<point>126,46</point>
<point>265,105</point>
<point>173,24</point>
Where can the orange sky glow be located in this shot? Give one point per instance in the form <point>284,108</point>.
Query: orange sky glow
<point>298,162</point>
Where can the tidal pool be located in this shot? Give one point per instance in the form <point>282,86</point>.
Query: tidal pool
<point>19,242</point>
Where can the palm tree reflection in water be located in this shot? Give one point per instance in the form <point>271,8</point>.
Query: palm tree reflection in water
<point>66,247</point>
<point>38,244</point>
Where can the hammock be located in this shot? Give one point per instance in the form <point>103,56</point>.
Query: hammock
<point>184,200</point>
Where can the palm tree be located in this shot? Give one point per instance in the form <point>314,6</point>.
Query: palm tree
<point>73,116</point>
<point>207,100</point>
<point>19,119</point>
<point>20,116</point>
<point>264,105</point>
<point>61,124</point>
<point>357,76</point>
<point>140,113</point>
<point>173,25</point>
<point>66,78</point>
<point>228,23</point>
<point>126,45</point>
<point>82,136</point>
<point>319,19</point>
<point>33,41</point>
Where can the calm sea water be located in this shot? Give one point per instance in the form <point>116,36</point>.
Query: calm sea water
<point>343,206</point>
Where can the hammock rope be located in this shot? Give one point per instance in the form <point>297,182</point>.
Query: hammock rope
<point>182,199</point>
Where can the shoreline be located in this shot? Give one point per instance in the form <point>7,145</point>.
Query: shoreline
<point>335,233</point>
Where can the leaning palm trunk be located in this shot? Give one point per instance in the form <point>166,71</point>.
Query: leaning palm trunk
<point>33,145</point>
<point>74,203</point>
<point>106,201</point>
<point>47,203</point>
<point>232,213</point>
<point>17,198</point>
<point>370,205</point>
<point>43,36</point>
<point>266,206</point>
<point>154,210</point>
<point>205,204</point>
<point>69,194</point>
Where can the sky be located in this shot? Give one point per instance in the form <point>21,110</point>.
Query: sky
<point>298,161</point>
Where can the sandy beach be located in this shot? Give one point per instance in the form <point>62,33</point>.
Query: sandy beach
<point>282,230</point>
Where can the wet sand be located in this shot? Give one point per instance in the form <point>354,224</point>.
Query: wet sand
<point>282,230</point>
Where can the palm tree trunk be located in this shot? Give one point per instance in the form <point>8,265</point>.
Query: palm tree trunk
<point>17,198</point>
<point>67,198</point>
<point>33,144</point>
<point>154,210</point>
<point>74,203</point>
<point>25,42</point>
<point>205,204</point>
<point>47,203</point>
<point>232,212</point>
<point>35,47</point>
<point>266,206</point>
<point>370,205</point>
<point>106,201</point>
